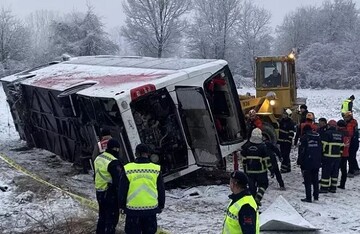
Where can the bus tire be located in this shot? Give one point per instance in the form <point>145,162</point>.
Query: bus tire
<point>269,132</point>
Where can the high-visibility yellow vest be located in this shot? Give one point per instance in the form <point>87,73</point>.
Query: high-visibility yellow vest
<point>102,175</point>
<point>231,222</point>
<point>345,106</point>
<point>142,194</point>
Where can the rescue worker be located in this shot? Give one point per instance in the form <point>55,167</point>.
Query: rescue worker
<point>286,135</point>
<point>256,163</point>
<point>142,193</point>
<point>347,105</point>
<point>253,122</point>
<point>107,176</point>
<point>309,121</point>
<point>274,153</point>
<point>303,112</point>
<point>352,128</point>
<point>242,214</point>
<point>322,126</point>
<point>333,146</point>
<point>310,162</point>
<point>345,155</point>
<point>100,146</point>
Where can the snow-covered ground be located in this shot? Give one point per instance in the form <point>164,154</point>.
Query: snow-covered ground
<point>193,210</point>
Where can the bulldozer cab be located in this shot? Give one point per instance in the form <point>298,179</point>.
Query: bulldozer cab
<point>276,75</point>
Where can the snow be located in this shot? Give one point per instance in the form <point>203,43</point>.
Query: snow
<point>194,210</point>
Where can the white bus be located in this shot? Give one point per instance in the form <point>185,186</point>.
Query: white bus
<point>186,110</point>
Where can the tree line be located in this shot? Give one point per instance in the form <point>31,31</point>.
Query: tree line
<point>326,37</point>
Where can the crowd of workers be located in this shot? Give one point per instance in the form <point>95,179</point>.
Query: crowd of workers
<point>138,190</point>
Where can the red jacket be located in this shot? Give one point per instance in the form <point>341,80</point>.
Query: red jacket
<point>346,141</point>
<point>351,127</point>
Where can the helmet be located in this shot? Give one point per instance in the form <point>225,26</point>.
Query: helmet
<point>332,123</point>
<point>348,114</point>
<point>288,112</point>
<point>252,113</point>
<point>310,116</point>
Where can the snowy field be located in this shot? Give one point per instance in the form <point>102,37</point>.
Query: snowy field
<point>27,204</point>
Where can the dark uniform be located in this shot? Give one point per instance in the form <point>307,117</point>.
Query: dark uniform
<point>275,152</point>
<point>333,145</point>
<point>286,135</point>
<point>310,162</point>
<point>107,175</point>
<point>352,128</point>
<point>256,163</point>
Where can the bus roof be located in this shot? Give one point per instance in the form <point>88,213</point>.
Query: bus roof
<point>114,75</point>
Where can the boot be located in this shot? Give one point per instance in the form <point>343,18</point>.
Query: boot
<point>306,200</point>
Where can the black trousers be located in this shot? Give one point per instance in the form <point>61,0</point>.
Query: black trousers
<point>343,168</point>
<point>330,173</point>
<point>258,183</point>
<point>353,164</point>
<point>108,212</point>
<point>276,171</point>
<point>285,149</point>
<point>141,224</point>
<point>311,177</point>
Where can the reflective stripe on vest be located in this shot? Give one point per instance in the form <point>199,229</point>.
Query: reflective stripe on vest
<point>231,222</point>
<point>102,175</point>
<point>142,194</point>
<point>345,106</point>
<point>329,148</point>
<point>263,162</point>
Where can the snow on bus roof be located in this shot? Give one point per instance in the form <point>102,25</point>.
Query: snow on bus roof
<point>109,74</point>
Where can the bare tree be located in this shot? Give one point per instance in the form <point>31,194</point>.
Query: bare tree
<point>253,32</point>
<point>14,42</point>
<point>154,26</point>
<point>82,34</point>
<point>41,36</point>
<point>212,33</point>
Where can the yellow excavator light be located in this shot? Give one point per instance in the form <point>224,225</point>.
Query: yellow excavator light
<point>272,102</point>
<point>291,55</point>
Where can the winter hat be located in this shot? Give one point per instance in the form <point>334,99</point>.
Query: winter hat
<point>341,123</point>
<point>142,148</point>
<point>332,123</point>
<point>303,106</point>
<point>256,136</point>
<point>240,177</point>
<point>352,97</point>
<point>113,143</point>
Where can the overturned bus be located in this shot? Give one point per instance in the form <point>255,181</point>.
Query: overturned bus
<point>186,110</point>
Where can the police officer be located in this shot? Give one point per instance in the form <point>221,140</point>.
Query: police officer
<point>256,163</point>
<point>310,161</point>
<point>333,145</point>
<point>242,214</point>
<point>142,193</point>
<point>107,175</point>
<point>286,134</point>
<point>347,105</point>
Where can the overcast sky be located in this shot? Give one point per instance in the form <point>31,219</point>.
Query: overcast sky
<point>111,10</point>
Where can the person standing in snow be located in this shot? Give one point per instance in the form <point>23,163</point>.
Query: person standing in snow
<point>274,154</point>
<point>256,163</point>
<point>286,135</point>
<point>303,112</point>
<point>107,176</point>
<point>242,214</point>
<point>345,155</point>
<point>333,145</point>
<point>309,121</point>
<point>347,105</point>
<point>322,126</point>
<point>253,122</point>
<point>142,192</point>
<point>310,161</point>
<point>352,128</point>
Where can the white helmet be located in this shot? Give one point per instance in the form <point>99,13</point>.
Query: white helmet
<point>288,112</point>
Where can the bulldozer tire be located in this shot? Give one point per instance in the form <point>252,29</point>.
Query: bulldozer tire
<point>269,133</point>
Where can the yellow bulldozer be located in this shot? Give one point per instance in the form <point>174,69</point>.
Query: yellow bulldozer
<point>276,90</point>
